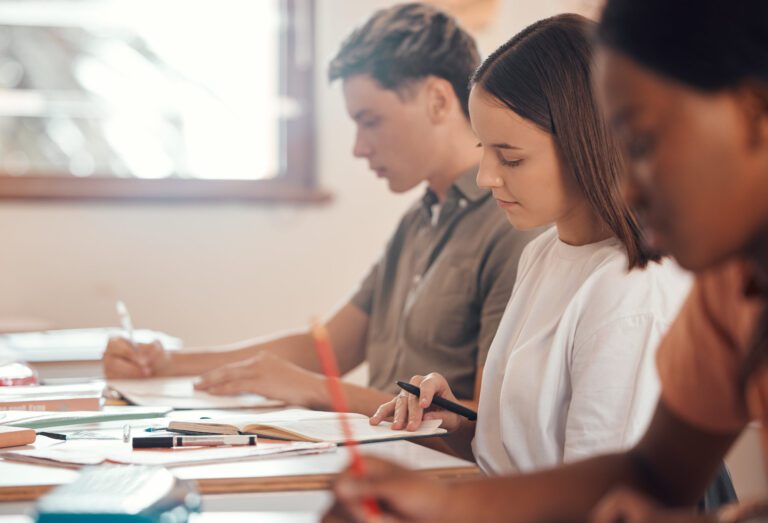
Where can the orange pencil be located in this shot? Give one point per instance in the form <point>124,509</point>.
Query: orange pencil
<point>331,370</point>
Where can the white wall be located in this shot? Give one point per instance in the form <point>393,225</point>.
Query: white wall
<point>218,273</point>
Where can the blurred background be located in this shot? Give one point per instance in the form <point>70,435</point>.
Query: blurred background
<point>190,158</point>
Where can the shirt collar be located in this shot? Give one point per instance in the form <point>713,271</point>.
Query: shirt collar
<point>464,187</point>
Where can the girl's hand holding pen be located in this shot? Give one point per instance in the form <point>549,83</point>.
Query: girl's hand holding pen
<point>408,411</point>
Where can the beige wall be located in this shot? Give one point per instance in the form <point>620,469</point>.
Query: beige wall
<point>217,273</point>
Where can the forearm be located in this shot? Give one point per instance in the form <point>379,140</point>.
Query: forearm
<point>296,348</point>
<point>566,494</point>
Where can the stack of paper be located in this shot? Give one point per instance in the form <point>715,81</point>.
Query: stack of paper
<point>77,453</point>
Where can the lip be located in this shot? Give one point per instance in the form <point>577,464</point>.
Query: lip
<point>506,204</point>
<point>380,171</point>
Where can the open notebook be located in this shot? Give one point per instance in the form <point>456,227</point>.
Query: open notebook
<point>304,425</point>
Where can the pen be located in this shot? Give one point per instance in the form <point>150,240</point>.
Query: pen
<point>331,371</point>
<point>125,321</point>
<point>448,405</point>
<point>167,442</point>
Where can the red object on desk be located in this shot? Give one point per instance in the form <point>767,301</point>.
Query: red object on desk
<point>14,374</point>
<point>330,368</point>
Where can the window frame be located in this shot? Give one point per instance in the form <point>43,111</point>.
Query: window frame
<point>295,183</point>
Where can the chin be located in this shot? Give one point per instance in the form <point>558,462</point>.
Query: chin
<point>522,224</point>
<point>398,186</point>
<point>699,260</point>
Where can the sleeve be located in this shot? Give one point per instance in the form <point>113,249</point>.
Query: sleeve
<point>614,387</point>
<point>363,297</point>
<point>699,360</point>
<point>496,282</point>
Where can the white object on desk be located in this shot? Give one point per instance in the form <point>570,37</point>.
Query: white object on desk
<point>180,393</point>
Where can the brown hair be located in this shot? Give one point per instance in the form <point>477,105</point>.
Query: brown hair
<point>544,75</point>
<point>407,43</point>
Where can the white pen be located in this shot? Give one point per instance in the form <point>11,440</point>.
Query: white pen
<point>167,442</point>
<point>125,321</point>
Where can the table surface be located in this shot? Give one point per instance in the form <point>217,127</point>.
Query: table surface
<point>288,483</point>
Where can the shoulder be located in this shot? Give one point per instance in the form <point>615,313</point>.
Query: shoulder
<point>612,293</point>
<point>544,242</point>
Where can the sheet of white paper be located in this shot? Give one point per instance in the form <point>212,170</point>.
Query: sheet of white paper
<point>177,457</point>
<point>180,393</point>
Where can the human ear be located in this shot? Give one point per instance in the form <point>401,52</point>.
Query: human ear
<point>753,99</point>
<point>440,99</point>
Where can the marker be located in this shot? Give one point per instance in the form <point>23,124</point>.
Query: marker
<point>167,442</point>
<point>448,405</point>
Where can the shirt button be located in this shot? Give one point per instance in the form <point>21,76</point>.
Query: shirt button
<point>416,279</point>
<point>462,203</point>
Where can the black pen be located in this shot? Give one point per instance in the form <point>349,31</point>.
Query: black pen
<point>167,442</point>
<point>448,405</point>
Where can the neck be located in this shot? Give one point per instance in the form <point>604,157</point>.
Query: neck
<point>459,154</point>
<point>581,226</point>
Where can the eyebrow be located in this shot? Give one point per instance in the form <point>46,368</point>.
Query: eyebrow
<point>505,146</point>
<point>360,114</point>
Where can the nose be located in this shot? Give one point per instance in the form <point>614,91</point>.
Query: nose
<point>487,178</point>
<point>361,148</point>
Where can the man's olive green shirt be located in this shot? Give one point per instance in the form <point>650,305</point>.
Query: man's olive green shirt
<point>436,296</point>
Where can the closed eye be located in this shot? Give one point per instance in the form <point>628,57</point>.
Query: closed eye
<point>509,163</point>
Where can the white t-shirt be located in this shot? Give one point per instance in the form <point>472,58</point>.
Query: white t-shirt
<point>571,371</point>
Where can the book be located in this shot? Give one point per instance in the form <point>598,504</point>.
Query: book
<point>87,396</point>
<point>180,393</point>
<point>304,425</point>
